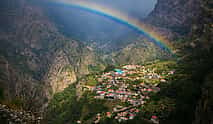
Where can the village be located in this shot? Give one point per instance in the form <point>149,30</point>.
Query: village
<point>131,85</point>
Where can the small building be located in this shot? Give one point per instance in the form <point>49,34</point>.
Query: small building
<point>108,114</point>
<point>155,119</point>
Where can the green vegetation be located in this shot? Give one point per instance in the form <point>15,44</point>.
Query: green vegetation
<point>95,68</point>
<point>91,80</point>
<point>65,108</point>
<point>161,66</point>
<point>109,68</point>
<point>175,102</point>
<point>161,107</point>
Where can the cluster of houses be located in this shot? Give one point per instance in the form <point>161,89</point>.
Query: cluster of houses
<point>128,114</point>
<point>119,85</point>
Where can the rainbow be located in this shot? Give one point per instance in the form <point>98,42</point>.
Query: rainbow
<point>119,17</point>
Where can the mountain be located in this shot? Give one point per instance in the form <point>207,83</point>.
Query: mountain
<point>183,98</point>
<point>104,35</point>
<point>43,69</point>
<point>36,60</point>
<point>191,21</point>
<point>178,15</point>
<point>144,51</point>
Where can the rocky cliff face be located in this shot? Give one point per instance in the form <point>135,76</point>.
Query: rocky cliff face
<point>143,50</point>
<point>177,15</point>
<point>11,116</point>
<point>60,74</point>
<point>193,20</point>
<point>36,61</point>
<point>202,33</point>
<point>203,114</point>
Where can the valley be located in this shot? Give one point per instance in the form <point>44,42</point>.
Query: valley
<point>122,92</point>
<point>83,62</point>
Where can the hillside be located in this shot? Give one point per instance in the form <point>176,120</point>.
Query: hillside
<point>120,95</point>
<point>36,60</point>
<point>178,15</point>
<point>109,38</point>
<point>192,20</point>
<point>47,76</point>
<point>183,98</point>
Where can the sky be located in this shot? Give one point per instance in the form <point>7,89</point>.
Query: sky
<point>135,7</point>
<point>86,26</point>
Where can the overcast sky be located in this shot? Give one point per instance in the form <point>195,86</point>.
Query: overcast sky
<point>135,7</point>
<point>84,25</point>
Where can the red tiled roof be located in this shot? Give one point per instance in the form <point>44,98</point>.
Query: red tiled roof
<point>154,117</point>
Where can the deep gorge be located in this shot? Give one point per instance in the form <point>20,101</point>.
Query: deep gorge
<point>41,67</point>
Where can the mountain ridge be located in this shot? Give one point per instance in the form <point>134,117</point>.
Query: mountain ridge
<point>29,51</point>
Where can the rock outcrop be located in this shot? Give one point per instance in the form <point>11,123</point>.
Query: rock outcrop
<point>36,61</point>
<point>178,15</point>
<point>204,112</point>
<point>61,74</point>
<point>192,19</point>
<point>11,116</point>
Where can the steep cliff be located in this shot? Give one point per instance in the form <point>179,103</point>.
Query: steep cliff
<point>178,15</point>
<point>191,19</point>
<point>36,60</point>
<point>203,113</point>
<point>60,74</point>
<point>202,33</point>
